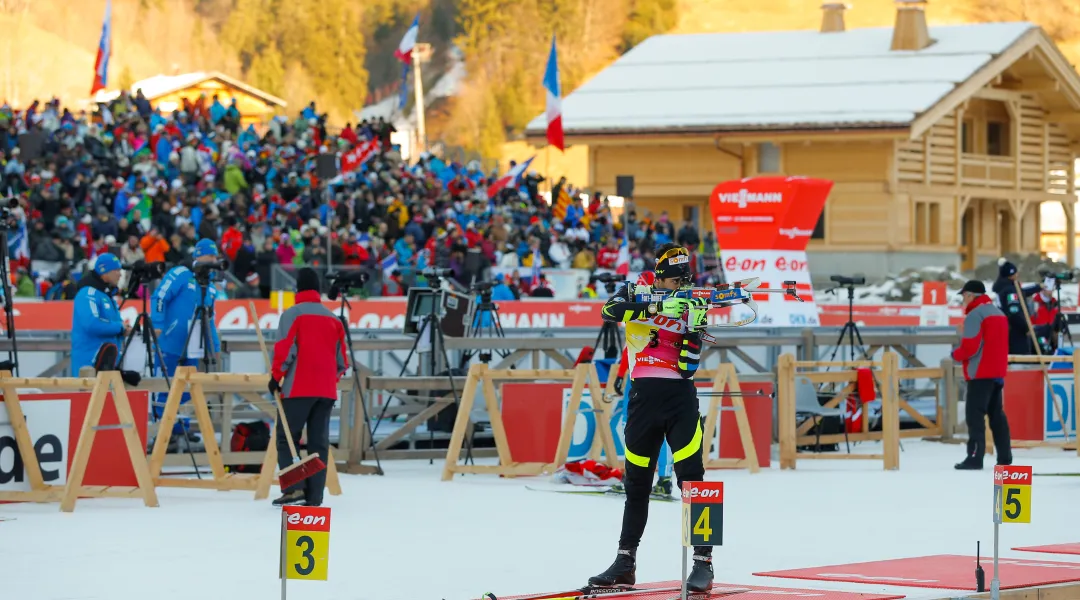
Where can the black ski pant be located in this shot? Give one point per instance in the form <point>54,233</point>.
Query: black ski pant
<point>658,408</point>
<point>984,399</point>
<point>315,414</point>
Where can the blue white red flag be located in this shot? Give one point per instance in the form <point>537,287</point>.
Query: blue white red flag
<point>554,99</point>
<point>104,51</point>
<point>510,178</point>
<point>408,42</point>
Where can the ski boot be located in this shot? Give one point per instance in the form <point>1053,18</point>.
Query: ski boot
<point>701,575</point>
<point>291,499</point>
<point>621,573</point>
<point>662,487</point>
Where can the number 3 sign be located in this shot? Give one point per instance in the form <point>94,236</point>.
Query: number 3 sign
<point>305,542</point>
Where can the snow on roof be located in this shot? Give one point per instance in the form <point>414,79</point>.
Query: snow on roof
<point>160,85</point>
<point>780,79</point>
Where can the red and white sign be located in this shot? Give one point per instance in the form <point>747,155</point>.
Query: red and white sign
<point>390,313</point>
<point>935,310</point>
<point>763,225</point>
<point>55,423</point>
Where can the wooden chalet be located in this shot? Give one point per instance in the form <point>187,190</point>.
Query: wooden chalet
<point>168,93</point>
<point>942,142</point>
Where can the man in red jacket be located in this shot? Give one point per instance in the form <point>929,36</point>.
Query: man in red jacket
<point>984,351</point>
<point>310,356</point>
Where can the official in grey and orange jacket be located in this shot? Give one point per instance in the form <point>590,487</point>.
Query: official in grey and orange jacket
<point>984,351</point>
<point>310,357</point>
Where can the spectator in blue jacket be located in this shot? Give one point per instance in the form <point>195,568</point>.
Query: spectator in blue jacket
<point>96,319</point>
<point>173,312</point>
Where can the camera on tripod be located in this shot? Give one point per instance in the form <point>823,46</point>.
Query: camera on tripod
<point>433,273</point>
<point>343,281</point>
<point>610,280</point>
<point>204,270</point>
<point>144,271</point>
<point>1059,278</point>
<point>841,280</point>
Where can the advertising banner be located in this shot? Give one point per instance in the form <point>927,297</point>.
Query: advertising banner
<point>763,225</point>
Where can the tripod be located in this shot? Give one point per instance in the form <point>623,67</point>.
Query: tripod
<point>144,326</point>
<point>486,311</point>
<point>203,319</point>
<point>356,381</point>
<point>609,334</point>
<point>850,329</point>
<point>12,363</point>
<point>429,325</point>
<point>1062,323</point>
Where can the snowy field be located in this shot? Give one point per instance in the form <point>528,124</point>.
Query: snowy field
<point>409,536</point>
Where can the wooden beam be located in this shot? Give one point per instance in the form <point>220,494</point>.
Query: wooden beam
<point>997,94</point>
<point>978,192</point>
<point>1064,118</point>
<point>1040,84</point>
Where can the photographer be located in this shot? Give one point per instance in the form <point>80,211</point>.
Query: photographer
<point>95,319</point>
<point>173,310</point>
<point>1046,320</point>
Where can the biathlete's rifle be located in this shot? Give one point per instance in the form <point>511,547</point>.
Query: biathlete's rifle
<point>738,293</point>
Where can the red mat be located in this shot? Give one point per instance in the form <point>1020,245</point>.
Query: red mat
<point>945,571</point>
<point>1053,549</point>
<point>756,592</point>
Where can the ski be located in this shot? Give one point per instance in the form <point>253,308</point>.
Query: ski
<point>603,491</point>
<point>591,593</point>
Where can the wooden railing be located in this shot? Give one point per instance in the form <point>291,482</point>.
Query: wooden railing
<point>988,171</point>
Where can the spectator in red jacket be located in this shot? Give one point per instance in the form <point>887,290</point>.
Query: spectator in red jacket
<point>984,351</point>
<point>306,371</point>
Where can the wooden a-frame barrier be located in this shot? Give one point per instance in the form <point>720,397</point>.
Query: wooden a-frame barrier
<point>67,495</point>
<point>725,382</point>
<point>481,377</point>
<point>196,384</point>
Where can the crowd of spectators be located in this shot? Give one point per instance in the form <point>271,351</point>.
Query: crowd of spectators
<point>143,184</point>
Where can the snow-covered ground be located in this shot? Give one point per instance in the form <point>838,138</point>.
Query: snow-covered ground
<point>409,536</point>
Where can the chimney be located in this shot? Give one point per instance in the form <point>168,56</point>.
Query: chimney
<point>910,32</point>
<point>832,17</point>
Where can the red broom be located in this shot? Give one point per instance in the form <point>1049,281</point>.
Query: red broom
<point>300,469</point>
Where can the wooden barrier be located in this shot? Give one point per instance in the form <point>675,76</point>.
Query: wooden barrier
<point>1044,363</point>
<point>887,375</point>
<point>99,388</point>
<point>481,377</point>
<point>726,379</point>
<point>196,384</point>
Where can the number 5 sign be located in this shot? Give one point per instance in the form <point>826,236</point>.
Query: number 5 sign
<point>305,543</point>
<point>1012,494</point>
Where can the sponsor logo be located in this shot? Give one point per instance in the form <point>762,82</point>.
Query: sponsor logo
<point>700,493</point>
<point>745,197</point>
<point>795,232</point>
<point>297,519</point>
<point>651,360</point>
<point>48,422</point>
<point>680,259</point>
<point>580,308</point>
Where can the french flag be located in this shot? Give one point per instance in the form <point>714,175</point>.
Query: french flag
<point>554,99</point>
<point>510,178</point>
<point>622,262</point>
<point>405,48</point>
<point>101,63</point>
<point>389,265</point>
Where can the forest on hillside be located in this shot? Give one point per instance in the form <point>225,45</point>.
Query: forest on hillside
<point>339,51</point>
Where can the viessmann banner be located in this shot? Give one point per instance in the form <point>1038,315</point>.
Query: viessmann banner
<point>763,225</point>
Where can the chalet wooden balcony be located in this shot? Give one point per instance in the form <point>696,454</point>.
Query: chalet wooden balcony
<point>982,170</point>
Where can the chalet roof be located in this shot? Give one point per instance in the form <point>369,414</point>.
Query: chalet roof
<point>773,80</point>
<point>161,85</point>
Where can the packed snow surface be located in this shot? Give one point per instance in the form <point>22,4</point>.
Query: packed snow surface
<point>409,536</point>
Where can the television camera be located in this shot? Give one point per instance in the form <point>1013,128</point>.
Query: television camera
<point>204,271</point>
<point>1059,278</point>
<point>343,281</point>
<point>843,281</point>
<point>433,273</point>
<point>610,280</point>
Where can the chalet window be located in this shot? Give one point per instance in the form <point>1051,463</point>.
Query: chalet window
<point>819,228</point>
<point>768,158</point>
<point>997,138</point>
<point>927,223</point>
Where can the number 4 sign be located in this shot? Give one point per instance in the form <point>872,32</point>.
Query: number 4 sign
<point>703,513</point>
<point>1012,494</point>
<point>305,543</point>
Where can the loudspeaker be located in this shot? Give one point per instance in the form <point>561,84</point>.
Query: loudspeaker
<point>624,186</point>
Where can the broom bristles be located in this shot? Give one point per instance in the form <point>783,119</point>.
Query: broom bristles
<point>299,471</point>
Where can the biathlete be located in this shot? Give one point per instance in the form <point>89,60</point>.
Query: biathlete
<point>663,404</point>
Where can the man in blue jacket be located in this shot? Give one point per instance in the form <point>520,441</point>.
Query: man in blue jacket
<point>173,312</point>
<point>95,319</point>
